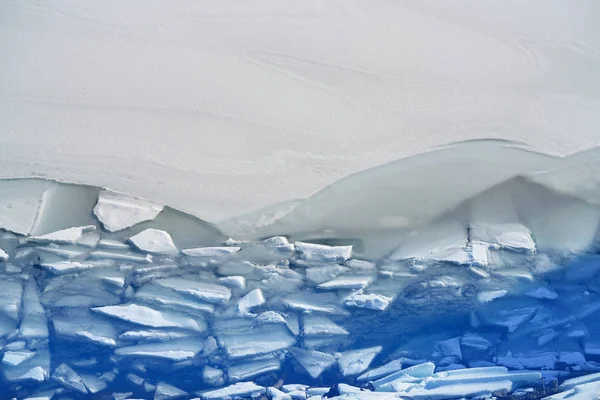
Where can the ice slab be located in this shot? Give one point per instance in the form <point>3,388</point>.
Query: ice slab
<point>238,390</point>
<point>174,350</point>
<point>165,391</point>
<point>204,256</point>
<point>314,362</point>
<point>315,302</point>
<point>319,325</point>
<point>82,325</point>
<point>3,255</point>
<point>154,241</point>
<point>93,383</point>
<point>353,362</point>
<point>33,323</point>
<point>66,376</point>
<point>118,211</point>
<point>209,292</point>
<point>241,371</point>
<point>384,370</point>
<point>64,236</point>
<point>516,237</point>
<point>68,267</point>
<point>213,376</point>
<point>147,316</point>
<point>276,394</point>
<point>322,253</point>
<point>121,256</point>
<point>237,282</point>
<point>14,358</point>
<point>346,282</point>
<point>252,299</point>
<point>155,294</point>
<point>11,292</point>
<point>20,202</point>
<point>261,340</point>
<point>369,301</point>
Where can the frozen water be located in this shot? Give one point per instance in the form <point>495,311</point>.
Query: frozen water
<point>118,211</point>
<point>143,315</point>
<point>154,241</point>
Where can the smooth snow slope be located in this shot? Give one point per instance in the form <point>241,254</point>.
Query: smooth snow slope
<point>221,107</point>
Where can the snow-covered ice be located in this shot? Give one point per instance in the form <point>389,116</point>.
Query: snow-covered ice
<point>154,241</point>
<point>118,211</point>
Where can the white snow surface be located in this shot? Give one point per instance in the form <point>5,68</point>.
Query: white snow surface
<point>218,108</point>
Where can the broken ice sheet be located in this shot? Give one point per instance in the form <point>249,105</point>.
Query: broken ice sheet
<point>118,211</point>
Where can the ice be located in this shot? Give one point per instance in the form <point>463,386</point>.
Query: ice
<point>241,371</point>
<point>33,321</point>
<point>147,316</point>
<point>152,336</point>
<point>384,370</point>
<point>213,376</point>
<point>237,282</point>
<point>251,300</point>
<point>325,273</point>
<point>236,391</point>
<point>514,237</point>
<point>269,250</point>
<point>314,362</point>
<point>542,293</point>
<point>353,362</point>
<point>3,255</point>
<point>209,292</point>
<point>370,301</point>
<point>68,267</point>
<point>346,282</point>
<point>118,211</point>
<point>112,244</point>
<point>64,236</point>
<point>276,394</point>
<point>204,256</point>
<point>82,325</point>
<point>13,358</point>
<point>491,295</point>
<point>261,340</point>
<point>174,350</point>
<point>11,291</point>
<point>317,302</point>
<point>322,253</point>
<point>318,325</point>
<point>93,383</point>
<point>154,241</point>
<point>537,361</point>
<point>409,374</point>
<point>65,376</point>
<point>20,202</point>
<point>120,256</point>
<point>155,294</point>
<point>165,391</point>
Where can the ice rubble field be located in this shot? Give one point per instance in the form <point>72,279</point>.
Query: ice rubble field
<point>492,289</point>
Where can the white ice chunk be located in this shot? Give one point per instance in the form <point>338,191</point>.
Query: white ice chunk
<point>11,292</point>
<point>237,282</point>
<point>20,204</point>
<point>37,374</point>
<point>165,391</point>
<point>13,358</point>
<point>252,299</point>
<point>384,370</point>
<point>213,376</point>
<point>460,391</point>
<point>322,253</point>
<point>490,295</point>
<point>419,371</point>
<point>121,256</point>
<point>68,267</point>
<point>93,383</point>
<point>325,273</point>
<point>346,282</point>
<point>147,316</point>
<point>261,340</point>
<point>238,390</point>
<point>510,319</point>
<point>580,380</point>
<point>544,360</point>
<point>33,322</point>
<point>326,303</point>
<point>276,394</point>
<point>514,236</point>
<point>85,326</point>
<point>270,317</point>
<point>65,375</point>
<point>209,292</point>
<point>63,236</point>
<point>152,336</point>
<point>155,294</point>
<point>240,371</point>
<point>3,255</point>
<point>154,241</point>
<point>118,211</point>
<point>318,325</point>
<point>353,362</point>
<point>204,256</point>
<point>174,350</point>
<point>269,250</point>
<point>112,244</point>
<point>314,362</point>
<point>542,293</point>
<point>370,301</point>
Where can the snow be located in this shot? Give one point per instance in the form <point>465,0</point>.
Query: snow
<point>154,241</point>
<point>118,211</point>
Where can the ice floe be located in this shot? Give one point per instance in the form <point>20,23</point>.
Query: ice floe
<point>118,211</point>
